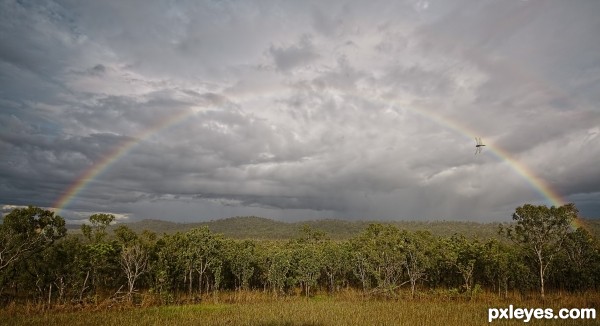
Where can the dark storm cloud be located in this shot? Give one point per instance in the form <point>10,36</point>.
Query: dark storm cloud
<point>36,37</point>
<point>39,167</point>
<point>298,109</point>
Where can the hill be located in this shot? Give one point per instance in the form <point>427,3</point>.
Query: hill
<point>252,227</point>
<point>259,228</point>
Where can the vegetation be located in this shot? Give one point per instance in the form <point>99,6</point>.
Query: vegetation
<point>343,308</point>
<point>26,231</point>
<point>542,232</point>
<point>374,269</point>
<point>259,228</point>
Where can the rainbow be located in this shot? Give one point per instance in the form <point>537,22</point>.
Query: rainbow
<point>521,169</point>
<point>125,146</point>
<point>577,223</point>
<point>117,152</point>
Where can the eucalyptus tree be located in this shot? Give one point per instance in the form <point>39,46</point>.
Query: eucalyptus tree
<point>582,261</point>
<point>25,231</point>
<point>497,264</point>
<point>133,257</point>
<point>418,256</point>
<point>95,231</point>
<point>125,236</point>
<point>171,267</point>
<point>57,270</point>
<point>202,252</point>
<point>462,254</point>
<point>278,269</point>
<point>307,257</point>
<point>306,265</point>
<point>361,265</point>
<point>378,256</point>
<point>101,264</point>
<point>541,231</point>
<point>581,248</point>
<point>134,262</point>
<point>336,262</point>
<point>242,258</point>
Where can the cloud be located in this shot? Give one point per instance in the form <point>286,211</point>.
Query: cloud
<point>298,110</point>
<point>295,55</point>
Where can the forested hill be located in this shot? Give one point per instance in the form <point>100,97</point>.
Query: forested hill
<point>262,228</point>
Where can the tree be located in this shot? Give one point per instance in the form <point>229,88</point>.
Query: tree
<point>102,256</point>
<point>417,248</point>
<point>307,261</point>
<point>170,266</point>
<point>242,261</point>
<point>581,257</point>
<point>97,231</point>
<point>497,261</point>
<point>125,235</point>
<point>307,257</point>
<point>541,231</point>
<point>55,271</point>
<point>462,254</point>
<point>202,252</point>
<point>26,231</point>
<point>133,257</point>
<point>378,255</point>
<point>278,268</point>
<point>336,262</point>
<point>134,261</point>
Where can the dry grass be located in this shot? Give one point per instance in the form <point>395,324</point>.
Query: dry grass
<point>345,308</point>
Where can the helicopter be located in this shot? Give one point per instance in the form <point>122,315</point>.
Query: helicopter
<point>478,145</point>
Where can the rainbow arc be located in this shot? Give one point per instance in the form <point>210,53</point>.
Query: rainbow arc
<point>95,170</point>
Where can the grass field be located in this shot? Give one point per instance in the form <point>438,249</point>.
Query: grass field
<point>263,309</point>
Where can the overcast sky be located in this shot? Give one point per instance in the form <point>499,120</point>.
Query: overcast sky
<point>298,110</point>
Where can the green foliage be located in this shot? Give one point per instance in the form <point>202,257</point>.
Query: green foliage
<point>258,228</point>
<point>420,256</point>
<point>336,263</point>
<point>125,235</point>
<point>462,254</point>
<point>311,235</point>
<point>582,258</point>
<point>278,269</point>
<point>307,260</point>
<point>379,257</point>
<point>96,231</point>
<point>541,231</point>
<point>242,255</point>
<point>26,231</point>
<point>381,260</point>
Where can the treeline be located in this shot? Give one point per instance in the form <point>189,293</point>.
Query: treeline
<point>259,228</point>
<point>40,262</point>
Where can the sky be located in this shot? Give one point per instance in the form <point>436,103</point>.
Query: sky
<point>299,110</point>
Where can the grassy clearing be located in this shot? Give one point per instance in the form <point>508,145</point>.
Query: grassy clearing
<point>343,309</point>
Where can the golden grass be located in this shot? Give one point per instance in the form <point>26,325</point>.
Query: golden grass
<point>345,308</point>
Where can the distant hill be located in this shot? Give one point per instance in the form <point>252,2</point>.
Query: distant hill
<point>247,227</point>
<point>259,228</point>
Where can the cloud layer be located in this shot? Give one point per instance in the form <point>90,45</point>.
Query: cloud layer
<point>299,110</point>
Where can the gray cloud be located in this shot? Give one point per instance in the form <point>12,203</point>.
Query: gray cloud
<point>295,55</point>
<point>299,110</point>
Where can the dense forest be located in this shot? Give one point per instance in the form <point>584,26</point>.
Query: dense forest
<point>260,228</point>
<point>538,252</point>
